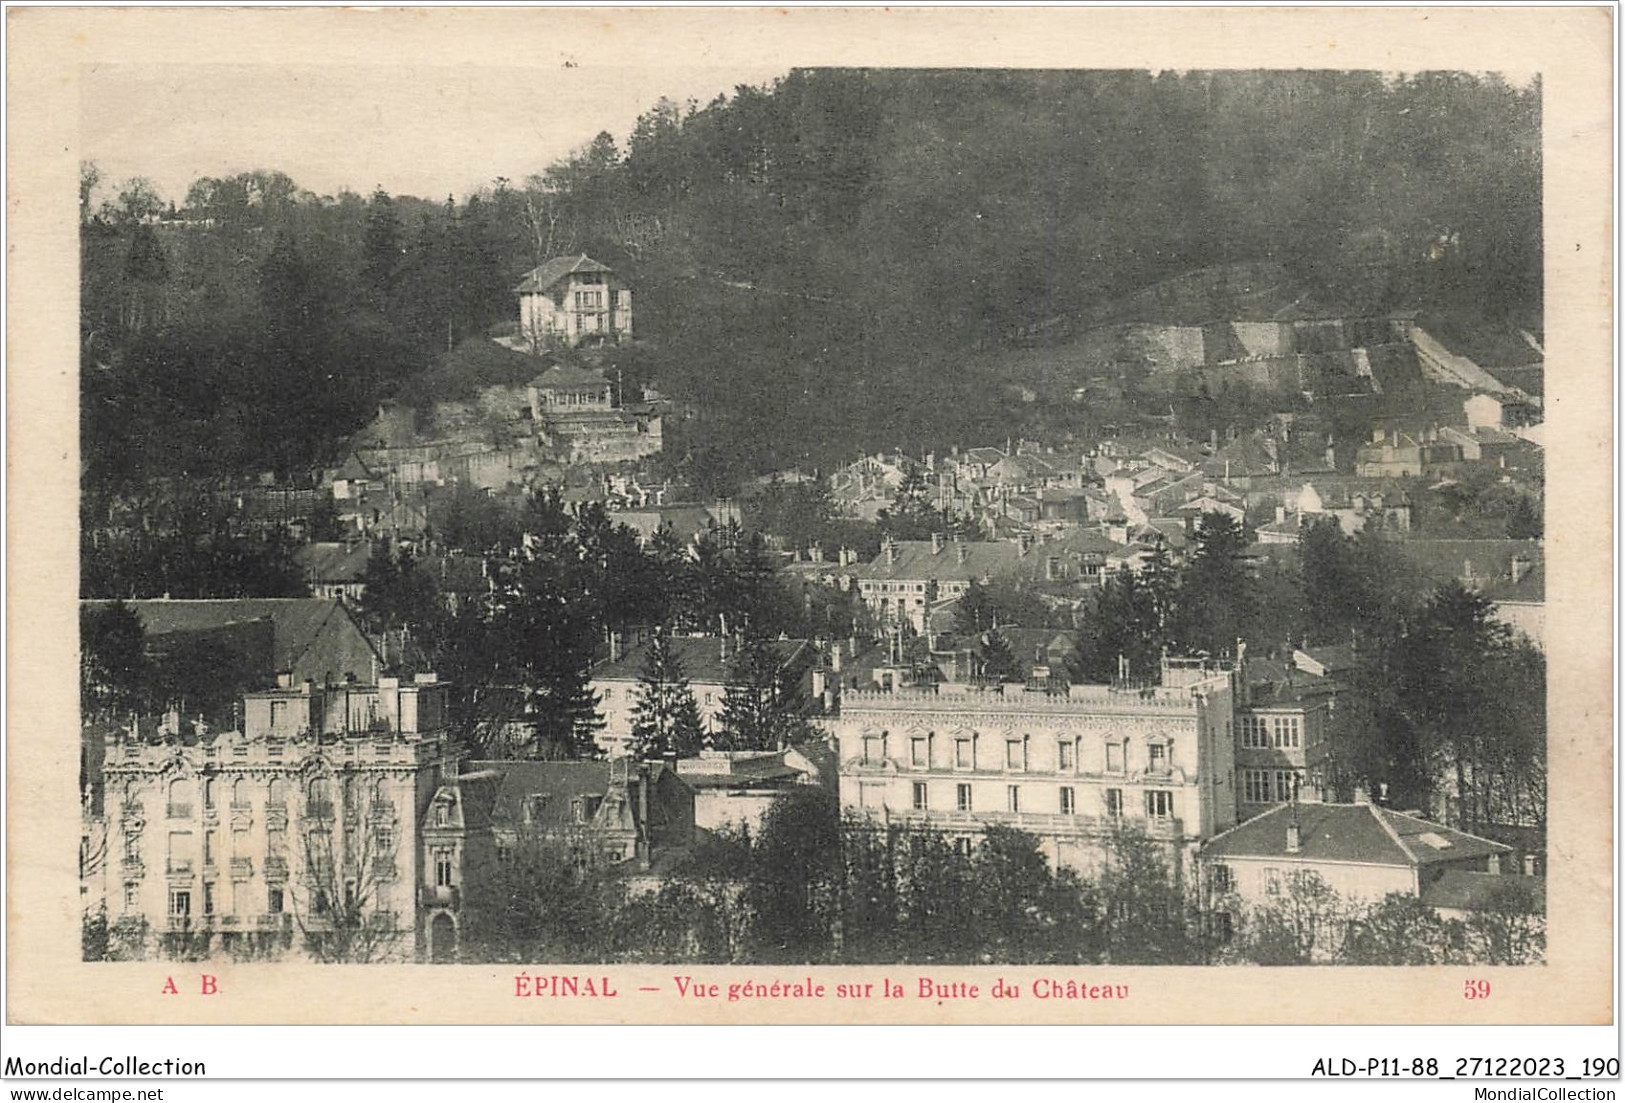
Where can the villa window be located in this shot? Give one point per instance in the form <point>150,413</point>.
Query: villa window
<point>1069,801</point>
<point>1159,804</point>
<point>921,797</point>
<point>962,798</point>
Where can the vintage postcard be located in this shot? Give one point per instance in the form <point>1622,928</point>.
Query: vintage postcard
<point>963,516</point>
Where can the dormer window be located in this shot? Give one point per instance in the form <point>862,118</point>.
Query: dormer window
<point>442,813</point>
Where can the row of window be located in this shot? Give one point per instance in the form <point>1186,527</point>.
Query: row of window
<point>589,300</point>
<point>377,847</point>
<point>1271,732</point>
<point>180,900</point>
<point>318,794</point>
<point>1270,786</point>
<point>875,747</point>
<point>1159,803</point>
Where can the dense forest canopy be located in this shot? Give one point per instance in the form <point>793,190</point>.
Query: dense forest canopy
<point>821,265</point>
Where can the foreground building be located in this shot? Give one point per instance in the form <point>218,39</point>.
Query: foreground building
<point>1069,765</point>
<point>294,834</point>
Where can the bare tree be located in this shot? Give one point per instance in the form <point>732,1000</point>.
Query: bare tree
<point>342,902</point>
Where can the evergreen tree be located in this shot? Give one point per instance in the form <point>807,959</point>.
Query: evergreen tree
<point>756,715</point>
<point>1217,604</point>
<point>666,719</point>
<point>999,661</point>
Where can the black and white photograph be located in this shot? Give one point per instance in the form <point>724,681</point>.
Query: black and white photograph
<point>756,519</point>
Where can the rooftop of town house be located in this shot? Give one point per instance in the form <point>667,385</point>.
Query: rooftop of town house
<point>704,659</point>
<point>544,276</point>
<point>334,562</point>
<point>569,377</point>
<point>738,769</point>
<point>1472,890</point>
<point>957,560</point>
<point>1016,697</point>
<point>296,624</point>
<point>1360,833</point>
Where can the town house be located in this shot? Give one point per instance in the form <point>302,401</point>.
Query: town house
<point>572,298</point>
<point>290,834</point>
<point>1069,764</point>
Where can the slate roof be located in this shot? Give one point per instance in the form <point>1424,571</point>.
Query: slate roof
<point>1468,889</point>
<point>1363,833</point>
<point>700,657</point>
<point>915,561</point>
<point>561,781</point>
<point>687,521</point>
<point>562,377</point>
<point>1441,561</point>
<point>333,562</point>
<point>353,470</point>
<point>297,623</point>
<point>742,771</point>
<point>544,276</point>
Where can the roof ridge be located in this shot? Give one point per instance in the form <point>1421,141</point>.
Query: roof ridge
<point>1378,814</point>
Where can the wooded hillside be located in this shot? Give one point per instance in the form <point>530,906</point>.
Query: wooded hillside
<point>820,265</point>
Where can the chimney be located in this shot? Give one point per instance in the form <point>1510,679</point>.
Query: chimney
<point>284,679</point>
<point>1378,435</point>
<point>1495,863</point>
<point>936,543</point>
<point>1293,837</point>
<point>961,551</point>
<point>819,677</point>
<point>1280,515</point>
<point>1520,567</point>
<point>891,551</point>
<point>724,642</point>
<point>835,658</point>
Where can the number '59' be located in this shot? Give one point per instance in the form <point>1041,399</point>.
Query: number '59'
<point>1476,990</point>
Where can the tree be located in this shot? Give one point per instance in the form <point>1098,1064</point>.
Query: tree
<point>1401,930</point>
<point>1509,925</point>
<point>549,899</point>
<point>1125,624</point>
<point>756,707</point>
<point>1302,924</point>
<point>666,720</point>
<point>351,868</point>
<point>1022,911</point>
<point>792,888</point>
<point>1141,902</point>
<point>114,675</point>
<point>999,662</point>
<point>1216,603</point>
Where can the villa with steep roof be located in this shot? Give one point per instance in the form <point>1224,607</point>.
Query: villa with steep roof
<point>572,298</point>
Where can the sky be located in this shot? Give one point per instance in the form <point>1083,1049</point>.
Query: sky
<point>422,131</point>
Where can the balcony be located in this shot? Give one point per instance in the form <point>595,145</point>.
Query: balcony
<point>276,869</point>
<point>179,810</point>
<point>179,867</point>
<point>276,817</point>
<point>317,811</point>
<point>439,896</point>
<point>133,866</point>
<point>242,869</point>
<point>1041,823</point>
<point>133,812</point>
